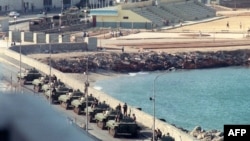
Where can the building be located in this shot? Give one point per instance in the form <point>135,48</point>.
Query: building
<point>150,14</point>
<point>31,5</point>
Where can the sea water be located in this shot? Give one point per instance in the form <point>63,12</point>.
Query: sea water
<point>208,98</point>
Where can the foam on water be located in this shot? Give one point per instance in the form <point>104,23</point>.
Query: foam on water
<point>97,87</point>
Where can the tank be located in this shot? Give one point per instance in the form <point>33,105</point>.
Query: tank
<point>80,104</point>
<point>66,99</point>
<point>28,76</point>
<point>94,109</point>
<point>54,93</point>
<point>39,82</point>
<point>123,127</point>
<point>54,83</point>
<point>102,118</point>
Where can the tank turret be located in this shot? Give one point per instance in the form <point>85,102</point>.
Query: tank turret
<point>39,82</point>
<point>28,75</point>
<point>80,104</point>
<point>96,108</point>
<point>67,98</point>
<point>102,118</point>
<point>125,126</point>
<point>55,92</point>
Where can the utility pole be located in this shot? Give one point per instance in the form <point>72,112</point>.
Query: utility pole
<point>86,93</point>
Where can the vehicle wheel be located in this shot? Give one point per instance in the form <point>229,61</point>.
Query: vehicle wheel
<point>37,89</point>
<point>90,119</point>
<point>100,124</point>
<point>77,110</point>
<point>23,82</point>
<point>113,133</point>
<point>51,100</point>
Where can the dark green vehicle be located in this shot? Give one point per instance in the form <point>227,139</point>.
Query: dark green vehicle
<point>80,104</point>
<point>67,98</point>
<point>123,127</point>
<point>102,118</point>
<point>28,76</point>
<point>94,109</point>
<point>54,93</point>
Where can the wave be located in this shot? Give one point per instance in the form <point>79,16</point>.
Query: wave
<point>132,74</point>
<point>97,87</point>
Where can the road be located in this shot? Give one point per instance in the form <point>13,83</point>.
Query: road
<point>8,82</point>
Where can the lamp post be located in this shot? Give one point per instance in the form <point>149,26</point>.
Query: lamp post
<point>50,82</point>
<point>20,65</point>
<point>86,93</point>
<point>62,7</point>
<point>153,99</point>
<point>15,21</point>
<point>85,16</point>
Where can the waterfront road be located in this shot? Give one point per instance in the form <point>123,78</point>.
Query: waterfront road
<point>8,82</point>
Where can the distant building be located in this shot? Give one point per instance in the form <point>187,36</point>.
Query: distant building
<point>235,3</point>
<point>32,5</point>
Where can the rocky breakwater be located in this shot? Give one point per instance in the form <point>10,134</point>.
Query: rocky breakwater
<point>151,61</point>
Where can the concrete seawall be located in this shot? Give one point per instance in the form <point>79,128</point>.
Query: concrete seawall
<point>142,117</point>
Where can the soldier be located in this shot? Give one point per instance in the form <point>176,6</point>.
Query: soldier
<point>118,107</point>
<point>125,108</point>
<point>134,117</point>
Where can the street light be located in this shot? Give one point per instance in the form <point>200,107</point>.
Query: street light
<point>50,90</point>
<point>62,7</point>
<point>153,99</point>
<point>20,65</point>
<point>86,93</point>
<point>85,12</point>
<point>15,21</point>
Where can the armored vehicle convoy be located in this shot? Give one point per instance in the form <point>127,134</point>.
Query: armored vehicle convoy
<point>125,127</point>
<point>80,104</point>
<point>28,76</point>
<point>96,108</point>
<point>39,82</point>
<point>102,118</point>
<point>54,93</point>
<point>66,99</point>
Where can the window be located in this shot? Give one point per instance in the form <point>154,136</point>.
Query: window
<point>125,17</point>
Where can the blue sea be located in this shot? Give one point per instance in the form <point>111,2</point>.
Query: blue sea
<point>208,98</point>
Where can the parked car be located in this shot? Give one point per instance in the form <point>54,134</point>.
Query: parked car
<point>13,14</point>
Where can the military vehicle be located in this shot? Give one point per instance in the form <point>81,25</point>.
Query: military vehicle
<point>54,93</point>
<point>80,104</point>
<point>39,82</point>
<point>66,99</point>
<point>54,83</point>
<point>94,109</point>
<point>28,76</point>
<point>102,118</point>
<point>125,127</point>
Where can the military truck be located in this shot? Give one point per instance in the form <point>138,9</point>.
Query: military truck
<point>102,118</point>
<point>54,93</point>
<point>125,127</point>
<point>80,104</point>
<point>94,109</point>
<point>28,76</point>
<point>39,82</point>
<point>67,98</point>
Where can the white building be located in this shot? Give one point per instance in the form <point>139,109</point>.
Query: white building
<point>29,5</point>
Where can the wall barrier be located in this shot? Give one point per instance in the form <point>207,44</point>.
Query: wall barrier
<point>142,117</point>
